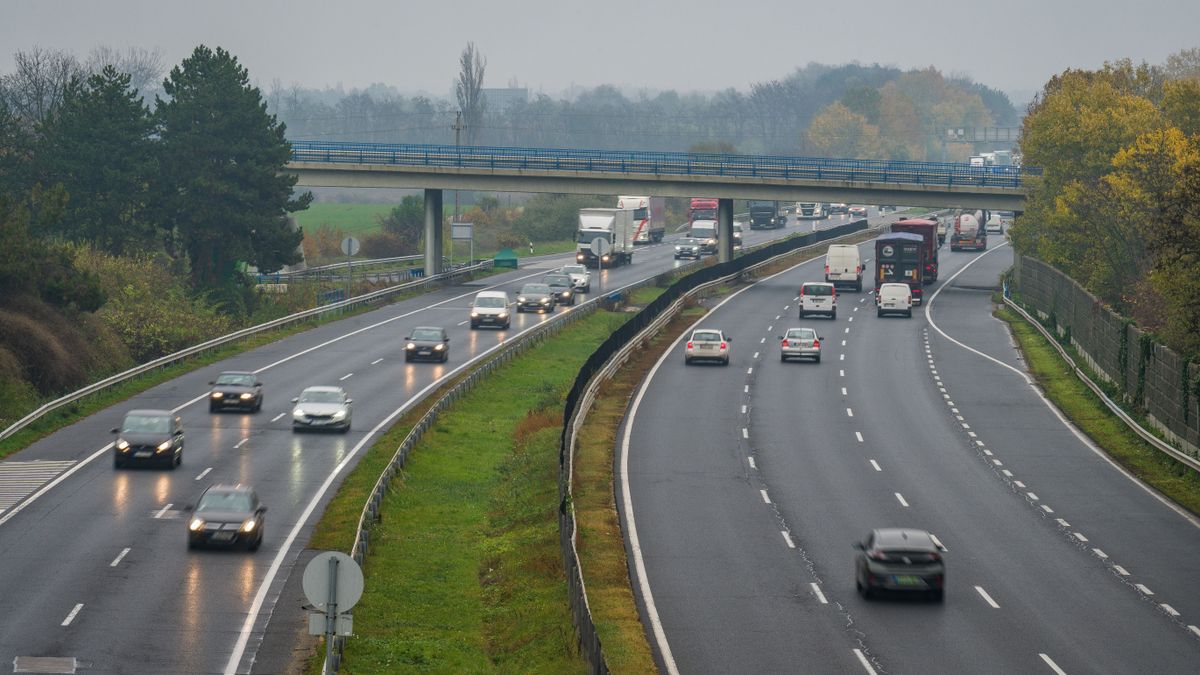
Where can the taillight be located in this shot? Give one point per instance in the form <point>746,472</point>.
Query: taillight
<point>784,343</point>
<point>816,344</point>
<point>689,344</point>
<point>723,346</point>
<point>857,269</point>
<point>827,269</point>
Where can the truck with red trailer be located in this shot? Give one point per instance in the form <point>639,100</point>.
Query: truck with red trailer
<point>702,208</point>
<point>649,217</point>
<point>927,229</point>
<point>900,258</point>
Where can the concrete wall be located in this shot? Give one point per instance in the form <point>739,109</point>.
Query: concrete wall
<point>1151,376</point>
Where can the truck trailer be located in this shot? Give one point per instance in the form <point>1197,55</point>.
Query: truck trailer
<point>614,226</point>
<point>900,258</point>
<point>928,230</point>
<point>649,217</point>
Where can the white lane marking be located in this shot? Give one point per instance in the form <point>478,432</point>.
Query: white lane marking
<point>1018,484</point>
<point>786,307</point>
<point>858,435</point>
<point>745,433</point>
<point>160,512</point>
<point>843,343</point>
<point>376,361</point>
<point>849,412</point>
<point>71,617</point>
<point>756,355</point>
<point>852,318</point>
<point>241,443</point>
<point>1142,588</point>
<point>1053,666</point>
<point>817,591</point>
<point>972,434</point>
<point>1169,609</point>
<point>847,329</point>
<point>989,454</point>
<point>1194,630</point>
<point>1100,554</point>
<point>743,410</point>
<point>966,426</point>
<point>345,377</point>
<point>787,538</point>
<point>777,316</point>
<point>980,443</point>
<point>1047,508</point>
<point>762,341</point>
<point>1121,570</point>
<point>987,597</point>
<point>900,498</point>
<point>844,391</point>
<point>766,499</point>
<point>1079,536</point>
<point>862,659</point>
<point>750,370</point>
<point>769,329</point>
<point>463,323</point>
<point>855,309</point>
<point>876,465</point>
<point>938,543</point>
<point>752,464</point>
<point>204,473</point>
<point>997,462</point>
<point>1006,472</point>
<point>276,418</point>
<point>841,373</point>
<point>1062,522</point>
<point>1032,496</point>
<point>746,389</point>
<point>842,357</point>
<point>120,556</point>
<point>954,410</point>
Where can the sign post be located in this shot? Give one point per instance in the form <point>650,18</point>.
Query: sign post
<point>601,247</point>
<point>333,583</point>
<point>460,231</point>
<point>349,247</point>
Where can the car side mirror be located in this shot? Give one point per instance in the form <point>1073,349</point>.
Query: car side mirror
<point>179,432</point>
<point>729,338</point>
<point>349,400</point>
<point>780,337</point>
<point>445,339</point>
<point>295,400</point>
<point>116,430</point>
<point>858,546</point>
<point>189,507</point>
<point>212,383</point>
<point>262,509</point>
<point>408,337</point>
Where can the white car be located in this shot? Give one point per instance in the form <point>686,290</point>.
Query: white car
<point>800,343</point>
<point>490,308</point>
<point>817,297</point>
<point>581,278</point>
<point>322,408</point>
<point>894,299</point>
<point>707,344</point>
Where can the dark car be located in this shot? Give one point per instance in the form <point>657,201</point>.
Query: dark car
<point>535,298</point>
<point>689,247</point>
<point>226,515</point>
<point>898,559</point>
<point>236,389</point>
<point>149,436</point>
<point>427,343</point>
<point>561,288</point>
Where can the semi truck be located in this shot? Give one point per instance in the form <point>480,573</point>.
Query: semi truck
<point>702,208</point>
<point>969,232</point>
<point>614,226</point>
<point>928,230</point>
<point>649,217</point>
<point>812,210</point>
<point>900,258</point>
<point>765,214</point>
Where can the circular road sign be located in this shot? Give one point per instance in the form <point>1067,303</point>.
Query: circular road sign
<point>349,580</point>
<point>601,246</point>
<point>350,246</point>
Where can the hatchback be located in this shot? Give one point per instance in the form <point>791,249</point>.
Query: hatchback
<point>561,287</point>
<point>900,559</point>
<point>535,298</point>
<point>427,343</point>
<point>800,343</point>
<point>818,297</point>
<point>707,344</point>
<point>150,436</point>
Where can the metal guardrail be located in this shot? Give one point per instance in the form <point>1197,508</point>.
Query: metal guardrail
<point>664,163</point>
<point>226,339</point>
<point>1145,434</point>
<point>277,277</point>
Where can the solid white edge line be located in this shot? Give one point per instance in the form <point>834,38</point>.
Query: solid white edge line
<point>862,659</point>
<point>817,591</point>
<point>1087,442</point>
<point>1053,666</point>
<point>787,538</point>
<point>987,598</point>
<point>120,556</point>
<point>766,499</point>
<point>71,617</point>
<point>1195,630</point>
<point>938,543</point>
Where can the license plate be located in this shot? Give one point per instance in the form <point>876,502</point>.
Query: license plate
<point>907,580</point>
<point>143,453</point>
<point>223,536</point>
<point>423,352</point>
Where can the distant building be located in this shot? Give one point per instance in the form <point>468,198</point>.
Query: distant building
<point>501,99</point>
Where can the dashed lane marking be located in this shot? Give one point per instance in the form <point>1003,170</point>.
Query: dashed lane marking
<point>787,538</point>
<point>74,613</point>
<point>862,659</point>
<point>1053,666</point>
<point>820,596</point>
<point>204,473</point>
<point>987,598</point>
<point>120,556</point>
<point>900,498</point>
<point>876,465</point>
<point>766,499</point>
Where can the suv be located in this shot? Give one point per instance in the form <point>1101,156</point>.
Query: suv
<point>490,308</point>
<point>817,297</point>
<point>151,436</point>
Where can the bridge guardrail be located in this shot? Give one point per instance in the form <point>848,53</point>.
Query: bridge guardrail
<point>665,163</point>
<point>232,337</point>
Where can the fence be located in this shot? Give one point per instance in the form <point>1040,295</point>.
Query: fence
<point>1150,376</point>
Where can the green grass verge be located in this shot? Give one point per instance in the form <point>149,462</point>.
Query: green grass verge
<point>464,573</point>
<point>354,219</point>
<point>1173,479</point>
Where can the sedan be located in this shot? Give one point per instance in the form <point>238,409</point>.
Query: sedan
<point>427,343</point>
<point>857,211</point>
<point>227,515</point>
<point>689,247</point>
<point>561,287</point>
<point>707,344</point>
<point>322,408</point>
<point>897,559</point>
<point>535,298</point>
<point>150,436</point>
<point>236,389</point>
<point>800,343</point>
<point>581,278</point>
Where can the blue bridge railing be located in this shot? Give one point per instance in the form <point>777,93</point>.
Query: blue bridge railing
<point>665,163</point>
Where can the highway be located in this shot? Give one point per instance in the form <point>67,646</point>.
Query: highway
<point>742,489</point>
<point>96,573</point>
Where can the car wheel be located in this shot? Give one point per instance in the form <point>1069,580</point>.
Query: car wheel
<point>908,314</point>
<point>520,309</point>
<point>117,463</point>
<point>783,358</point>
<point>407,358</point>
<point>879,312</point>
<point>346,429</point>
<point>833,314</point>
<point>212,408</point>
<point>474,325</point>
<point>858,286</point>
<point>506,325</point>
<point>445,356</point>
<point>725,362</point>
<point>937,596</point>
<point>258,406</point>
<point>817,358</point>
<point>687,360</point>
<point>253,546</point>
<point>191,544</point>
<point>802,314</point>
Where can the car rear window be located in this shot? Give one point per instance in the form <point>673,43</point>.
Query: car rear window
<point>802,334</point>
<point>817,289</point>
<point>706,337</point>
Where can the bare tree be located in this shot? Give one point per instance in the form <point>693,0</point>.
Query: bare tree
<point>144,67</point>
<point>469,90</point>
<point>34,90</point>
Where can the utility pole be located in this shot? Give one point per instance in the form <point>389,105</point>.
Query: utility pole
<point>458,127</point>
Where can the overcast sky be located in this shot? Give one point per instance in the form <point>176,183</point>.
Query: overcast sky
<point>550,45</point>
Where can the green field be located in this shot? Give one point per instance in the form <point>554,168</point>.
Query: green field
<point>353,219</point>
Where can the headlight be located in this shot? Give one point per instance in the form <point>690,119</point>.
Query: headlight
<point>248,526</point>
<point>439,347</point>
<point>521,298</point>
<point>164,446</point>
<point>298,413</point>
<point>566,294</point>
<point>217,394</point>
<point>122,444</point>
<point>678,248</point>
<point>341,414</point>
<point>546,301</point>
<point>503,315</point>
<point>246,396</point>
<point>605,259</point>
<point>474,315</point>
<point>410,346</point>
<point>711,242</point>
<point>196,525</point>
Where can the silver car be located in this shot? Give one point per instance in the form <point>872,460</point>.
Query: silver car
<point>322,408</point>
<point>800,343</point>
<point>707,344</point>
<point>581,278</point>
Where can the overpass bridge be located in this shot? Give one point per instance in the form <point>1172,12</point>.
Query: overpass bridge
<point>435,168</point>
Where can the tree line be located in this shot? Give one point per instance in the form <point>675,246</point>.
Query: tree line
<point>1118,208</point>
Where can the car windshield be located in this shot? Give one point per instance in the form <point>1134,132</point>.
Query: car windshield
<point>802,334</point>
<point>236,380</point>
<point>535,289</point>
<point>489,302</point>
<point>702,233</point>
<point>706,337</point>
<point>146,424</point>
<point>321,397</point>
<point>426,334</point>
<point>574,269</point>
<point>818,290</point>
<point>557,280</point>
<point>223,501</point>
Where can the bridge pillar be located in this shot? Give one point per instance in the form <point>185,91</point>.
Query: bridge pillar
<point>724,230</point>
<point>433,232</point>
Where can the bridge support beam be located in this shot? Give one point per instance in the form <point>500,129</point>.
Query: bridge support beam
<point>433,232</point>
<point>724,230</point>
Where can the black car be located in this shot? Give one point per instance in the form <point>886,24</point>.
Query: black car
<point>236,389</point>
<point>688,248</point>
<point>427,343</point>
<point>150,437</point>
<point>226,515</point>
<point>561,288</point>
<point>535,298</point>
<point>898,559</point>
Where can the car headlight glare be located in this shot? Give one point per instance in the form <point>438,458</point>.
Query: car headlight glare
<point>298,413</point>
<point>566,294</point>
<point>474,315</point>
<point>521,298</point>
<point>246,396</point>
<point>678,248</point>
<point>439,347</point>
<point>503,315</point>
<point>164,446</point>
<point>122,444</point>
<point>217,394</point>
<point>249,525</point>
<point>196,525</point>
<point>410,346</point>
<point>341,414</point>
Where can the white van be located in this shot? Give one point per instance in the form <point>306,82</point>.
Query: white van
<point>894,299</point>
<point>490,308</point>
<point>843,266</point>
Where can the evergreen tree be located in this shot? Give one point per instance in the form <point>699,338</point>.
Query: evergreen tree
<point>222,157</point>
<point>98,146</point>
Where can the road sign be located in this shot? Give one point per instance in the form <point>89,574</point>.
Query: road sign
<point>461,231</point>
<point>350,246</point>
<point>601,246</point>
<point>349,581</point>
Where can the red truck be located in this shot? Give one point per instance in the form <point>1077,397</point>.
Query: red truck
<point>928,230</point>
<point>702,208</point>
